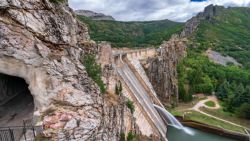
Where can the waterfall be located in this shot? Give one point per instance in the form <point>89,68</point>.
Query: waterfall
<point>168,117</point>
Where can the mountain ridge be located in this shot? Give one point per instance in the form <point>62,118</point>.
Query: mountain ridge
<point>94,15</point>
<point>132,34</point>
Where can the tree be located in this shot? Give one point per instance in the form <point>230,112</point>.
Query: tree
<point>130,105</point>
<point>118,88</point>
<point>94,70</point>
<point>244,111</point>
<point>195,76</point>
<point>239,95</point>
<point>229,101</point>
<point>223,90</point>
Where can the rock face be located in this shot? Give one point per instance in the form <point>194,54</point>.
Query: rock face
<point>193,23</point>
<point>42,43</point>
<point>94,15</point>
<point>162,70</point>
<point>218,58</point>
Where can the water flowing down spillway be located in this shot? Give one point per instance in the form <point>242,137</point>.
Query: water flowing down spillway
<point>141,95</point>
<point>168,117</point>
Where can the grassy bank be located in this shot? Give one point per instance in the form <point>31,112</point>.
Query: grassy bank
<point>227,116</point>
<point>210,104</point>
<point>196,116</point>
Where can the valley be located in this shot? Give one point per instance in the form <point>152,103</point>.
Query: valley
<point>79,75</point>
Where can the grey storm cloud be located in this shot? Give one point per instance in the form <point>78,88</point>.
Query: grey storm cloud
<point>144,10</point>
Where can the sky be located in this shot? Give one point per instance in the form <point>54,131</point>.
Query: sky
<point>146,10</point>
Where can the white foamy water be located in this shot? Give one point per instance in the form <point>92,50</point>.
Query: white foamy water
<point>172,120</point>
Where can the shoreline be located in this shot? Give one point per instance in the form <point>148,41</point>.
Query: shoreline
<point>213,129</point>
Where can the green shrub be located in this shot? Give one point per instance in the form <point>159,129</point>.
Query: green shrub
<point>244,111</point>
<point>131,136</point>
<point>122,137</point>
<point>94,70</point>
<point>130,105</point>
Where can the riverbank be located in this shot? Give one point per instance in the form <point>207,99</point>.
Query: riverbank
<point>198,111</point>
<point>198,117</point>
<point>213,129</point>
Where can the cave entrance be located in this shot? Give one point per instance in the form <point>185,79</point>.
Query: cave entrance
<point>16,101</point>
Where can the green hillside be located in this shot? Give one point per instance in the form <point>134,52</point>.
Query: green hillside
<point>228,33</point>
<point>132,34</point>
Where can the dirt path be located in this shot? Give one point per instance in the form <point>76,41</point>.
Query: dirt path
<point>217,106</point>
<point>202,103</point>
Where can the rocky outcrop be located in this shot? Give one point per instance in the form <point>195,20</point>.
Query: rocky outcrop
<point>94,15</point>
<point>192,24</point>
<point>162,70</point>
<point>218,58</point>
<point>43,43</point>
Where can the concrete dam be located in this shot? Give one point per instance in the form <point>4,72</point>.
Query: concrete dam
<point>134,77</point>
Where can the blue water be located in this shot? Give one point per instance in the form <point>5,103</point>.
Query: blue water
<point>175,134</point>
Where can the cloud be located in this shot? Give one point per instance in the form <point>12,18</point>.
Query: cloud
<point>141,10</point>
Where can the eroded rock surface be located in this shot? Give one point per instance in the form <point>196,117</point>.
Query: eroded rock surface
<point>42,42</point>
<point>218,58</point>
<point>192,24</point>
<point>162,70</point>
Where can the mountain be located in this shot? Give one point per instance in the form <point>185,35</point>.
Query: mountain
<point>218,57</point>
<point>94,15</point>
<point>132,34</point>
<point>225,30</point>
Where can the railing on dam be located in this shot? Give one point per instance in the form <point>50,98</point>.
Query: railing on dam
<point>135,53</point>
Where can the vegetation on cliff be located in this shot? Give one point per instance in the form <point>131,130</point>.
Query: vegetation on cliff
<point>130,105</point>
<point>94,70</point>
<point>227,32</point>
<point>132,34</point>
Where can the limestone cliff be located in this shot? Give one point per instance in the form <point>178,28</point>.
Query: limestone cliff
<point>162,70</point>
<point>42,42</point>
<point>192,24</point>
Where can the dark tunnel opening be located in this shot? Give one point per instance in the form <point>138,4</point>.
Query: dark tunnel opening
<point>16,101</point>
